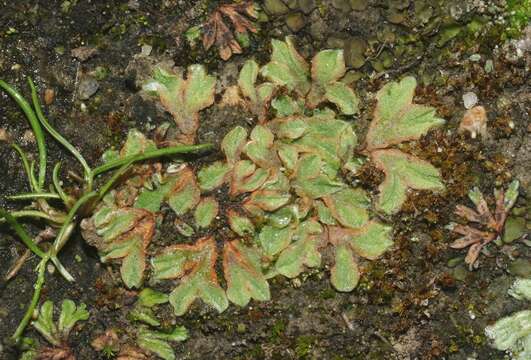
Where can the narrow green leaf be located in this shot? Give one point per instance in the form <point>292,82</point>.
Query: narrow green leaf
<point>194,266</point>
<point>396,118</point>
<point>213,176</point>
<point>233,143</point>
<point>348,206</point>
<point>240,224</point>
<point>70,315</point>
<point>302,252</point>
<point>134,264</point>
<point>343,96</point>
<point>45,324</point>
<point>136,143</point>
<point>344,274</point>
<point>286,106</point>
<point>184,98</point>
<point>328,66</point>
<point>511,194</point>
<point>403,171</point>
<point>158,342</point>
<point>145,315</point>
<point>287,67</point>
<point>247,79</point>
<point>372,240</point>
<point>206,211</point>
<point>273,240</point>
<point>243,272</point>
<point>184,194</point>
<point>149,297</point>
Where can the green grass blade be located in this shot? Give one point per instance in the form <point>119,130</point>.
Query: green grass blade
<point>180,149</point>
<point>108,185</point>
<point>36,127</point>
<point>34,301</point>
<point>55,134</point>
<point>35,195</point>
<point>25,163</point>
<point>19,230</point>
<point>63,237</point>
<point>67,200</point>
<point>35,214</point>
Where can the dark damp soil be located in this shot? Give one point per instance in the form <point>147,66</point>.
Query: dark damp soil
<point>419,301</point>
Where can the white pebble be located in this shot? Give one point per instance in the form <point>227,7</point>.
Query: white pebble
<point>469,99</point>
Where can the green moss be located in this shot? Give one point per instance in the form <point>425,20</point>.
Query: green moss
<point>303,345</point>
<point>277,330</point>
<point>327,293</point>
<point>519,15</point>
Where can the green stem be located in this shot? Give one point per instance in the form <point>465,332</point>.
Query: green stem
<point>26,165</point>
<point>35,214</point>
<point>36,195</point>
<point>33,179</point>
<point>180,149</point>
<point>107,186</point>
<point>57,136</point>
<point>26,239</point>
<point>36,127</point>
<point>65,230</point>
<point>67,200</point>
<point>34,301</point>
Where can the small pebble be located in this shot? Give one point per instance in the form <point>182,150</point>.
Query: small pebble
<point>489,66</point>
<point>358,5</point>
<point>50,268</point>
<point>83,53</point>
<point>474,122</point>
<point>275,7</point>
<point>475,57</point>
<point>4,136</point>
<point>520,267</point>
<point>515,228</point>
<point>307,6</point>
<point>28,137</point>
<point>88,86</point>
<point>295,21</point>
<point>49,96</point>
<point>146,50</point>
<point>470,99</point>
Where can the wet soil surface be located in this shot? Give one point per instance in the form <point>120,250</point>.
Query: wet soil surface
<point>419,301</point>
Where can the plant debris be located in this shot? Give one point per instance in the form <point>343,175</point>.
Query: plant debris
<point>216,31</point>
<point>477,239</point>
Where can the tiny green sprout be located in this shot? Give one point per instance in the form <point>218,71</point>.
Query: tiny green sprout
<point>108,352</point>
<point>158,342</point>
<point>193,34</point>
<point>492,221</point>
<point>55,332</point>
<point>148,339</point>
